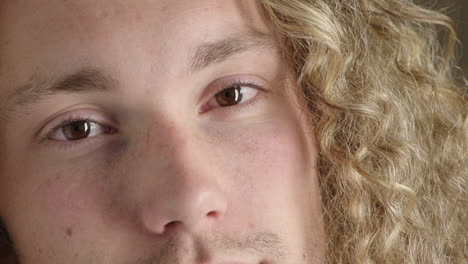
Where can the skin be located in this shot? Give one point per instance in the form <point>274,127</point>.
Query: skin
<point>178,178</point>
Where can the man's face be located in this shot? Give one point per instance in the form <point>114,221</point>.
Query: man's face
<point>120,145</point>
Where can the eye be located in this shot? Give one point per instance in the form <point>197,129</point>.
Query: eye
<point>233,95</point>
<point>73,130</point>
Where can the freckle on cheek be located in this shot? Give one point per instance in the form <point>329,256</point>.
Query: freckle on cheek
<point>69,231</point>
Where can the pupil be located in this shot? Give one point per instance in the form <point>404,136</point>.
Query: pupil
<point>230,96</point>
<point>76,130</point>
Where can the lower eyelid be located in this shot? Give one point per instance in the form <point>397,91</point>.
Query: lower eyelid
<point>251,105</point>
<point>68,146</point>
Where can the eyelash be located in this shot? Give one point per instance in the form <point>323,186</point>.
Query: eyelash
<point>65,145</point>
<point>240,83</point>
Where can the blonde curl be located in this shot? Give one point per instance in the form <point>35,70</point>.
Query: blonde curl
<point>390,116</point>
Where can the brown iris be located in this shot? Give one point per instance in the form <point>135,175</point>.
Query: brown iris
<point>229,96</point>
<point>76,130</point>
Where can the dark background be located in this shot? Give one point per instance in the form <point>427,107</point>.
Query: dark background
<point>458,10</point>
<point>462,20</point>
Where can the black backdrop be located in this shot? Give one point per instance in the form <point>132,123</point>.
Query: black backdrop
<point>458,10</point>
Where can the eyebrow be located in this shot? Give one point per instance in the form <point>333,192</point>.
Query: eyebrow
<point>219,51</point>
<point>87,80</point>
<point>37,89</point>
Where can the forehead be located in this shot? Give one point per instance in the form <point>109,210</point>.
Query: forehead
<point>92,17</point>
<point>55,35</point>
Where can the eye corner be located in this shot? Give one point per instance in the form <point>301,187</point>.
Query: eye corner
<point>203,109</point>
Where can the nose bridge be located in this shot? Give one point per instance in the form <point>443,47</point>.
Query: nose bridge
<point>165,132</point>
<point>175,148</point>
<point>185,187</point>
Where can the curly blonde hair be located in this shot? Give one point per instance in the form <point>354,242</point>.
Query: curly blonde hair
<point>391,123</point>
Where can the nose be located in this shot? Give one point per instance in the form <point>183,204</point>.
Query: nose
<point>185,190</point>
<point>188,203</point>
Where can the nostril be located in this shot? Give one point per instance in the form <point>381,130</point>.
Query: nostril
<point>213,214</point>
<point>171,225</point>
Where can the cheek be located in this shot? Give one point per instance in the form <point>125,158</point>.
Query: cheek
<point>275,188</point>
<point>63,192</point>
<point>275,157</point>
<point>269,171</point>
<point>68,197</point>
<point>85,199</point>
<point>44,207</point>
